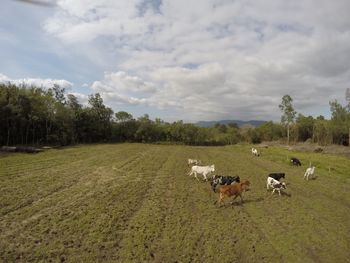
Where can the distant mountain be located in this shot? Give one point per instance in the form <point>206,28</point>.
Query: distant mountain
<point>240,123</point>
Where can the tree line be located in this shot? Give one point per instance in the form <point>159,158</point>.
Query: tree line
<point>37,116</point>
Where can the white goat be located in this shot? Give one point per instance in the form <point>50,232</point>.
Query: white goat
<point>309,171</point>
<point>193,161</point>
<point>255,152</point>
<point>275,185</point>
<point>204,170</point>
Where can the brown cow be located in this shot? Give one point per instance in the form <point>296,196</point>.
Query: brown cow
<point>233,190</point>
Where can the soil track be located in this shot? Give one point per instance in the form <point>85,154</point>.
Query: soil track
<point>136,203</point>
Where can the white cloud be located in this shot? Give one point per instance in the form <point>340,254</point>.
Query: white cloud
<point>120,81</point>
<point>121,88</point>
<point>214,59</point>
<point>37,82</point>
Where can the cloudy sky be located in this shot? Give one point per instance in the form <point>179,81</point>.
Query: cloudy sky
<point>183,59</point>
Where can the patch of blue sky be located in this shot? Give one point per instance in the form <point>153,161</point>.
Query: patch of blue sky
<point>190,65</point>
<point>221,31</point>
<point>153,5</point>
<point>28,61</point>
<point>251,25</point>
<point>259,30</point>
<point>284,27</point>
<point>28,52</point>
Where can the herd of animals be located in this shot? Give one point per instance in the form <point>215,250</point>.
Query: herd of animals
<point>232,185</point>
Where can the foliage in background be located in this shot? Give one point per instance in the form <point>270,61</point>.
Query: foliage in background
<point>36,116</point>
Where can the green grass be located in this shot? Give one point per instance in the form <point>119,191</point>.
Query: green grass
<point>135,203</point>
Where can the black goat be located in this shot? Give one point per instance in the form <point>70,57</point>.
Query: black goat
<point>295,161</point>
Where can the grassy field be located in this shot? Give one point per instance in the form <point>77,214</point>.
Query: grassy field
<point>135,203</point>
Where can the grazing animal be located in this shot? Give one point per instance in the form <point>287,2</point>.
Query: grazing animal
<point>309,171</point>
<point>295,161</point>
<point>204,170</point>
<point>223,180</point>
<point>233,190</point>
<point>255,152</point>
<point>277,176</point>
<point>275,185</point>
<point>193,161</point>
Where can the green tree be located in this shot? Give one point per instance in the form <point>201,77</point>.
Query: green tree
<point>340,123</point>
<point>59,93</point>
<point>305,127</point>
<point>288,113</point>
<point>102,116</point>
<point>73,103</point>
<point>123,116</point>
<point>322,132</point>
<point>233,125</point>
<point>347,97</point>
<point>270,131</point>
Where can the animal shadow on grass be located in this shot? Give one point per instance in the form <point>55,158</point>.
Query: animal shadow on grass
<point>313,178</point>
<point>286,194</point>
<point>246,201</point>
<point>282,194</point>
<point>238,202</point>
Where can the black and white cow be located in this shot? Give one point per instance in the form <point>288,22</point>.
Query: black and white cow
<point>223,180</point>
<point>295,161</point>
<point>275,185</point>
